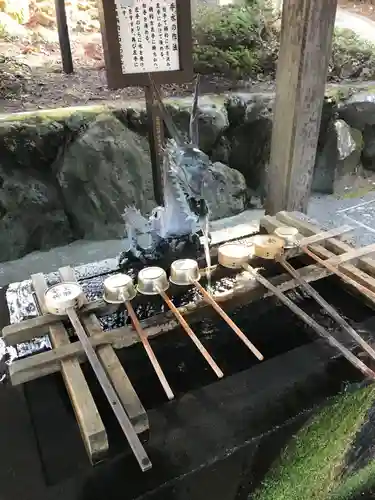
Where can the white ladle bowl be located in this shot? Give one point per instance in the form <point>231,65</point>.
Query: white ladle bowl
<point>63,296</point>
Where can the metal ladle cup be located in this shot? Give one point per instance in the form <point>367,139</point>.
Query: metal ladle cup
<point>120,289</point>
<point>154,281</point>
<point>63,296</point>
<point>63,299</point>
<point>289,234</point>
<point>186,272</point>
<point>228,256</point>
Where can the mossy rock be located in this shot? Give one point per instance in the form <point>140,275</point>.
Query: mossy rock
<point>316,464</point>
<point>242,41</point>
<point>68,174</point>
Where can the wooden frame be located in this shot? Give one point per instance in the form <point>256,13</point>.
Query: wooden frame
<point>42,364</point>
<point>111,45</point>
<point>360,272</point>
<point>67,355</point>
<point>39,365</point>
<point>305,48</point>
<point>91,426</point>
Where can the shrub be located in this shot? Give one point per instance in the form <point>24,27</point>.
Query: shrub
<point>13,77</point>
<point>351,57</point>
<point>235,40</point>
<point>242,41</point>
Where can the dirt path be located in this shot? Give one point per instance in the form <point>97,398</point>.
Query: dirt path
<point>363,26</point>
<point>48,87</point>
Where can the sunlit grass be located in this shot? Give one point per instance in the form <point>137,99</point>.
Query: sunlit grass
<point>310,467</point>
<point>356,483</point>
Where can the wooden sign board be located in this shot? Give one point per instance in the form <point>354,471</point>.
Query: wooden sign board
<point>146,36</point>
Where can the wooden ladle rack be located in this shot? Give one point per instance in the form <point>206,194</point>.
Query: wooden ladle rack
<point>353,265</point>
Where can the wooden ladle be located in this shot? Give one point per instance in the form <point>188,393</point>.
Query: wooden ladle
<point>154,281</point>
<point>185,272</point>
<point>235,255</point>
<point>120,289</point>
<point>64,299</point>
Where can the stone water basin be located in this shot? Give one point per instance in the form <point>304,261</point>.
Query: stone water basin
<point>232,428</point>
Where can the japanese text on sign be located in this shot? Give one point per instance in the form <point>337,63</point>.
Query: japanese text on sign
<point>148,35</point>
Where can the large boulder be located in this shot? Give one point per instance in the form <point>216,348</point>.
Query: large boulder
<point>229,197</point>
<point>358,110</point>
<point>104,169</point>
<point>32,216</point>
<point>368,153</point>
<point>68,174</point>
<point>246,142</point>
<point>249,135</point>
<point>212,119</point>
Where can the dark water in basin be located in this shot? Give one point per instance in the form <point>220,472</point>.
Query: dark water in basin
<point>270,326</point>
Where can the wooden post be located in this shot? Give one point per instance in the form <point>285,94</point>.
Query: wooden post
<point>62,28</point>
<point>156,140</point>
<point>305,47</point>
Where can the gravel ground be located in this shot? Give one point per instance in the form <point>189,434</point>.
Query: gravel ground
<point>328,210</point>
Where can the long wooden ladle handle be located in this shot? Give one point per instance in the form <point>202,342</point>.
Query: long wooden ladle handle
<point>334,270</point>
<point>110,392</point>
<point>320,330</point>
<point>151,355</point>
<point>207,356</point>
<point>327,307</point>
<point>228,320</point>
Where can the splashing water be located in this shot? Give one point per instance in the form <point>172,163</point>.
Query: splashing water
<point>205,224</point>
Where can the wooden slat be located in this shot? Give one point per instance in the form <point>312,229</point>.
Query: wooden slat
<point>45,363</point>
<point>332,233</point>
<point>91,426</point>
<point>354,281</point>
<point>352,271</point>
<point>113,367</point>
<point>110,393</point>
<point>34,327</point>
<point>367,264</point>
<point>242,292</point>
<point>354,253</point>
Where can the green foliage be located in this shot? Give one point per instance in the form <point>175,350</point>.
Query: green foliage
<point>242,40</point>
<point>351,56</point>
<point>311,466</point>
<point>13,77</point>
<point>235,40</point>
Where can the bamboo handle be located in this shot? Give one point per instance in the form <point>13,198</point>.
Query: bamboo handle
<point>207,356</point>
<point>328,308</point>
<point>362,289</point>
<point>228,320</point>
<point>311,322</point>
<point>110,392</point>
<point>150,353</point>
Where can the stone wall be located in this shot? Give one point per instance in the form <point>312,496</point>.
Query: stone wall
<point>68,174</point>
